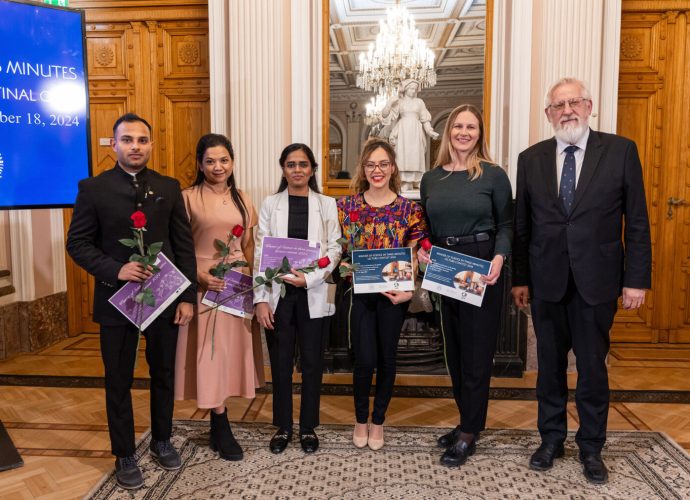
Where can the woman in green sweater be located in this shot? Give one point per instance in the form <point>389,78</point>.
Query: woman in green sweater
<point>468,204</point>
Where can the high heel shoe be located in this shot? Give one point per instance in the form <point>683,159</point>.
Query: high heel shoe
<point>360,441</point>
<point>374,443</point>
<point>222,439</point>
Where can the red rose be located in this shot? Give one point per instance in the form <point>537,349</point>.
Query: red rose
<point>426,244</point>
<point>354,216</point>
<point>139,219</point>
<point>237,231</point>
<point>323,262</point>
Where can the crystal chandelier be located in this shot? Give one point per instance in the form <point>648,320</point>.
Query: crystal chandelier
<point>398,54</point>
<point>374,108</point>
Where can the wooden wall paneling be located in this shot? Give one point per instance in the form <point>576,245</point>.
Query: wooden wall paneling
<point>184,102</point>
<point>654,110</point>
<point>142,61</point>
<point>186,121</point>
<point>640,108</point>
<point>669,282</point>
<point>104,111</point>
<point>679,185</point>
<point>637,122</point>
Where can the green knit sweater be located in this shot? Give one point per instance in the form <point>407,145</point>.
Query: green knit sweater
<point>457,206</point>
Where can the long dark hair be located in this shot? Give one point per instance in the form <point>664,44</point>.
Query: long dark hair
<point>210,141</point>
<point>310,156</point>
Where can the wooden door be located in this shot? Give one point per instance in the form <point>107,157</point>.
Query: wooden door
<point>152,61</point>
<point>654,111</point>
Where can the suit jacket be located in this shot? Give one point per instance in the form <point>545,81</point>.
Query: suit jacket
<point>102,217</point>
<point>592,242</point>
<point>323,227</point>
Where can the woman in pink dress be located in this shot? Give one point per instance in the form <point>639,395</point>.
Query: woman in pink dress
<point>218,355</point>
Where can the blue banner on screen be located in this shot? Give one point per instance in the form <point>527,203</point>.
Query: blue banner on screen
<point>44,129</point>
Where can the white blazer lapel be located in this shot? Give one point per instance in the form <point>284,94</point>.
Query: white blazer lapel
<point>314,231</point>
<point>282,212</point>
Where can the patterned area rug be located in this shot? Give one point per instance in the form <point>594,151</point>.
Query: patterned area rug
<point>643,465</point>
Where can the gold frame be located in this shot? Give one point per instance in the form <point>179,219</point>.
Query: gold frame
<point>339,187</point>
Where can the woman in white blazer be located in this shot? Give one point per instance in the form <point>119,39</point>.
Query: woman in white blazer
<point>297,210</point>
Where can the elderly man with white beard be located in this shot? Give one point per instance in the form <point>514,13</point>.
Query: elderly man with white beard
<point>581,241</point>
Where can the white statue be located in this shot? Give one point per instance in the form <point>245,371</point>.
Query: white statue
<point>411,123</point>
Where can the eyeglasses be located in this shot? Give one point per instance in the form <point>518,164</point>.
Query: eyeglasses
<point>295,164</point>
<point>573,103</point>
<point>384,166</point>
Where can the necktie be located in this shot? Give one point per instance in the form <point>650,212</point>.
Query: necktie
<point>566,192</point>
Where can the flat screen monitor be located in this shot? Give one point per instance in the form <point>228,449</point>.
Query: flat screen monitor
<point>44,119</point>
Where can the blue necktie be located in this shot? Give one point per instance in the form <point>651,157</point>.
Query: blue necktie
<point>566,192</point>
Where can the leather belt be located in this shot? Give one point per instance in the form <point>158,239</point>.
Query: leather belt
<point>452,241</point>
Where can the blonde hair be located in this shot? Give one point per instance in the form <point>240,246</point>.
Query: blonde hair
<point>447,154</point>
<point>359,182</point>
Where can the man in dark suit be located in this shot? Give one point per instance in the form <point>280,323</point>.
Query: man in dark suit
<point>101,218</point>
<point>574,256</point>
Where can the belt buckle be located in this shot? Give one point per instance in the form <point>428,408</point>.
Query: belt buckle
<point>451,241</point>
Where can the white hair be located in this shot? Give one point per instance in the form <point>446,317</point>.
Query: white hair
<point>566,81</point>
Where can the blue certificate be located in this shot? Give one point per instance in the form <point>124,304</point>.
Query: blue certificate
<point>456,275</point>
<point>383,270</point>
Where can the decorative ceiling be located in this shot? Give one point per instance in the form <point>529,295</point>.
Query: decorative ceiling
<point>453,29</point>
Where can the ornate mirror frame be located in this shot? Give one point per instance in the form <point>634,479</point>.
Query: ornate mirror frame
<point>339,187</point>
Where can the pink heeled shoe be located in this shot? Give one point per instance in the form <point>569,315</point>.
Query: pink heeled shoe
<point>360,441</point>
<point>374,443</point>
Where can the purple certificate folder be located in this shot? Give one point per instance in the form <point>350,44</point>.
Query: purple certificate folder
<point>240,305</point>
<point>299,252</point>
<point>166,285</point>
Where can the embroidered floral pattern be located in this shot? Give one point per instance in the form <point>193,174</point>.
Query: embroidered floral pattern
<point>391,226</point>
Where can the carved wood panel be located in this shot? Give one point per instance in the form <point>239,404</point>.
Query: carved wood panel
<point>152,60</point>
<point>654,111</point>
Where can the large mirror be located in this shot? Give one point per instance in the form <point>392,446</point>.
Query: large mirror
<point>411,113</point>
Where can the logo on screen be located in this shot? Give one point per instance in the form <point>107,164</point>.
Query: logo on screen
<point>2,165</point>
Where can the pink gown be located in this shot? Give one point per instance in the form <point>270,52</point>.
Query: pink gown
<point>237,365</point>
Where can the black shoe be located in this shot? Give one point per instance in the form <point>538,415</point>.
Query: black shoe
<point>165,454</point>
<point>448,439</point>
<point>127,473</point>
<point>280,440</point>
<point>542,459</point>
<point>309,441</point>
<point>458,453</point>
<point>593,467</point>
<point>222,439</point>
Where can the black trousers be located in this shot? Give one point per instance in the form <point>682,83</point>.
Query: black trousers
<point>469,334</point>
<point>375,324</point>
<point>294,326</point>
<point>118,349</point>
<point>560,326</point>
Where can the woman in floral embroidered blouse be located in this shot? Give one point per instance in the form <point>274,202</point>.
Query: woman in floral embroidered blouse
<point>377,217</point>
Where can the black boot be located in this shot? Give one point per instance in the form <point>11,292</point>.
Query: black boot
<point>222,439</point>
